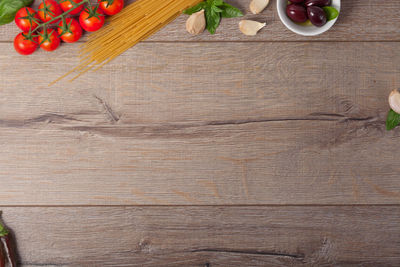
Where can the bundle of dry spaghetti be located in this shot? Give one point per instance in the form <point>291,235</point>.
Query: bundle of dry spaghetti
<point>133,24</point>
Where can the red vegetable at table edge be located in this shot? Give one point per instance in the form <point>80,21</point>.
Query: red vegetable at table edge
<point>111,7</point>
<point>36,24</point>
<point>91,19</point>
<point>69,4</point>
<point>69,30</point>
<point>48,10</point>
<point>49,40</point>
<point>22,19</point>
<point>25,46</point>
<point>7,254</point>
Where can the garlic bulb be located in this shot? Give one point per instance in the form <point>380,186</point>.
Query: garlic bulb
<point>196,23</point>
<point>394,101</point>
<point>257,6</point>
<point>250,27</point>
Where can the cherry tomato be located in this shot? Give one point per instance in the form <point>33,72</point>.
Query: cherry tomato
<point>95,22</point>
<point>52,9</point>
<point>23,22</point>
<point>25,46</point>
<point>67,5</point>
<point>111,7</point>
<point>53,40</point>
<point>72,30</point>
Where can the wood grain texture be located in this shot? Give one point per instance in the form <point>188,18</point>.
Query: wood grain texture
<point>197,236</point>
<point>221,120</point>
<point>255,123</point>
<point>360,20</point>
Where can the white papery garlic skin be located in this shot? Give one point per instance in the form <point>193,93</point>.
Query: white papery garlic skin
<point>196,23</point>
<point>257,6</point>
<point>394,101</point>
<point>250,27</point>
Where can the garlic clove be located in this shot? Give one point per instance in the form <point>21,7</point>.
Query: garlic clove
<point>196,23</point>
<point>250,27</point>
<point>257,6</point>
<point>394,101</point>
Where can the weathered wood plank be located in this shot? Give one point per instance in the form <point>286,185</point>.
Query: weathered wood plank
<point>197,236</point>
<point>360,20</point>
<point>242,124</point>
<point>204,82</point>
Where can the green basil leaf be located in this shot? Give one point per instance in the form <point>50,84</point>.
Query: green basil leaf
<point>218,2</point>
<point>195,9</point>
<point>229,11</point>
<point>213,19</point>
<point>393,119</point>
<point>331,12</point>
<point>216,9</point>
<point>8,9</point>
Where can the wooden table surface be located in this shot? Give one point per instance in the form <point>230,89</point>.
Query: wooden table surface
<point>220,150</point>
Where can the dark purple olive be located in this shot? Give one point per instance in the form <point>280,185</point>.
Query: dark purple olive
<point>297,13</point>
<point>319,3</point>
<point>297,1</point>
<point>316,15</point>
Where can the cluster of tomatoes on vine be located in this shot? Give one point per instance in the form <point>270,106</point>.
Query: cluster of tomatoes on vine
<point>57,20</point>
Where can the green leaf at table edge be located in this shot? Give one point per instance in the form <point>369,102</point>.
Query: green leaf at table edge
<point>3,230</point>
<point>393,120</point>
<point>8,9</point>
<point>331,12</point>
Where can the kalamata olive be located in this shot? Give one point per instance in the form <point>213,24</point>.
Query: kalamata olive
<point>316,15</point>
<point>297,1</point>
<point>297,13</point>
<point>319,3</point>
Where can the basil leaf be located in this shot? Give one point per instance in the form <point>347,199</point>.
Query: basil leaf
<point>218,2</point>
<point>213,19</point>
<point>8,9</point>
<point>331,12</point>
<point>195,9</point>
<point>229,11</point>
<point>216,9</point>
<point>393,119</point>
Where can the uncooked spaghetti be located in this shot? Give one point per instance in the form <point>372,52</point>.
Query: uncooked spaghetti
<point>132,25</point>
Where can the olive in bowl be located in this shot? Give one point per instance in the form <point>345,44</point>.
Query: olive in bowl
<point>308,17</point>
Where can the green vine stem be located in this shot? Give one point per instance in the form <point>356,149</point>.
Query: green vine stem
<point>59,16</point>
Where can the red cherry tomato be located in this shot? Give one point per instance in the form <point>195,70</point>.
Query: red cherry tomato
<point>25,46</point>
<point>67,5</point>
<point>24,23</point>
<point>52,9</point>
<point>72,30</point>
<point>95,22</point>
<point>111,7</point>
<point>53,40</point>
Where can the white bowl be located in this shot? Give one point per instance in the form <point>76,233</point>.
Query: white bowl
<point>300,29</point>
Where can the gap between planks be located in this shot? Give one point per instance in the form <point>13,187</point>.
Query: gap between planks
<point>255,41</point>
<point>199,205</point>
